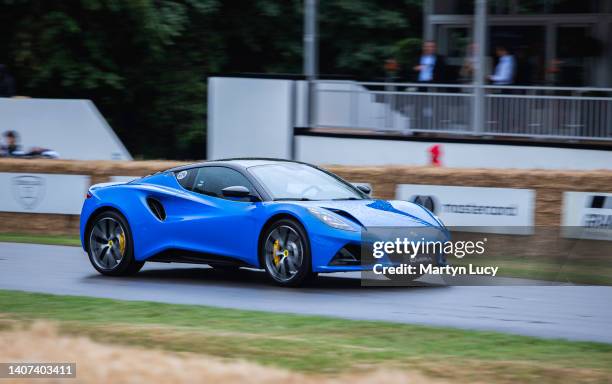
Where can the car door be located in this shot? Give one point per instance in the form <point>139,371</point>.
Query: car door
<point>217,225</point>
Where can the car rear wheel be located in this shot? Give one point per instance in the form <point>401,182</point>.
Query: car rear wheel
<point>286,253</point>
<point>110,247</point>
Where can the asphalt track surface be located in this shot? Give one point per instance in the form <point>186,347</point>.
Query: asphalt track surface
<point>568,312</point>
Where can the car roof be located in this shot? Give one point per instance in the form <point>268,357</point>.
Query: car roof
<point>242,162</point>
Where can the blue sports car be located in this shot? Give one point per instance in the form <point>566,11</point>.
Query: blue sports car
<point>292,219</point>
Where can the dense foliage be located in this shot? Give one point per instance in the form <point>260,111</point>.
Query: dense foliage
<point>144,62</point>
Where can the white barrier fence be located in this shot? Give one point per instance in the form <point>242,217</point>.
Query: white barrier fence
<point>45,192</point>
<point>547,112</point>
<point>589,213</point>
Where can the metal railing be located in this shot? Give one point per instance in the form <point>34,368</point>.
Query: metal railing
<point>553,112</point>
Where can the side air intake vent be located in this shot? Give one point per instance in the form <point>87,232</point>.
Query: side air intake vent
<point>157,208</point>
<point>350,254</point>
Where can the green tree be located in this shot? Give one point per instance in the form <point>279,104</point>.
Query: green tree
<point>357,36</point>
<point>137,60</point>
<point>144,62</point>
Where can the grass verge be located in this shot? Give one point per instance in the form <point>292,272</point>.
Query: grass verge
<point>40,239</point>
<point>572,271</point>
<point>314,344</point>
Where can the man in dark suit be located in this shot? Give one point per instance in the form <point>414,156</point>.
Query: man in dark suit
<point>431,69</point>
<point>432,66</point>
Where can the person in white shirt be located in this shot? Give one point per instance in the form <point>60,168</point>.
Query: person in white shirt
<point>505,68</point>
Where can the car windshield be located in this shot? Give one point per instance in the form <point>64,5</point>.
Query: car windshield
<point>294,181</point>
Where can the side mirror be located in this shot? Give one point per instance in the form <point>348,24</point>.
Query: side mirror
<point>364,188</point>
<point>236,191</point>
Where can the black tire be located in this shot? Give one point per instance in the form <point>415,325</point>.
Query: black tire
<point>295,239</point>
<point>102,229</point>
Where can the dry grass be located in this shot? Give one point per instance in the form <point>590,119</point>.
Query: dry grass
<point>447,369</point>
<point>103,363</point>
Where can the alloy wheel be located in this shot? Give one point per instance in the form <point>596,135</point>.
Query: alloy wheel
<point>284,253</point>
<point>107,243</point>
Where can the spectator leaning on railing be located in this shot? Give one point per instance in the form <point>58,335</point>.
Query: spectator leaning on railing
<point>13,149</point>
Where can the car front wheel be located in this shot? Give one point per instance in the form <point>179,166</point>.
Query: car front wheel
<point>286,253</point>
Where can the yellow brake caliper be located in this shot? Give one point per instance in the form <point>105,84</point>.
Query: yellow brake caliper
<point>122,244</point>
<point>275,253</point>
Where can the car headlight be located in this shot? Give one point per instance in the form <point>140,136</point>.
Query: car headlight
<point>331,220</point>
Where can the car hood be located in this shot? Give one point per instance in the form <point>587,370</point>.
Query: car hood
<point>378,213</point>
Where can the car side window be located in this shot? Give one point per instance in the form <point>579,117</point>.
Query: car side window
<point>212,180</point>
<point>186,177</point>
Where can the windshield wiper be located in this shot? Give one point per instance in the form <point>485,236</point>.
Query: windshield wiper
<point>346,198</point>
